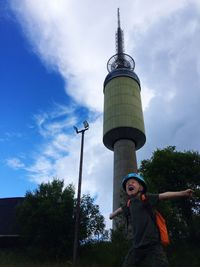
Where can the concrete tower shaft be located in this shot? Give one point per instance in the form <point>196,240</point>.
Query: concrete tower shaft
<point>124,162</point>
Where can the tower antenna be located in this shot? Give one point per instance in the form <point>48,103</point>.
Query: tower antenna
<point>120,60</point>
<point>118,15</point>
<point>119,36</point>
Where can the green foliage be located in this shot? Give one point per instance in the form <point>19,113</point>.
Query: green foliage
<point>120,245</point>
<point>182,254</point>
<point>96,254</point>
<point>171,170</point>
<point>100,254</point>
<point>47,219</point>
<point>20,258</point>
<point>92,222</point>
<point>104,253</point>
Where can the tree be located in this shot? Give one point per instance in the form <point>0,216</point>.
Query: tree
<point>47,218</point>
<point>92,222</point>
<point>171,170</point>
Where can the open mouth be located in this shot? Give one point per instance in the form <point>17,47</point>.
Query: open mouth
<point>131,188</point>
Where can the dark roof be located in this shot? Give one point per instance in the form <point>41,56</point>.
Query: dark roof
<point>8,221</point>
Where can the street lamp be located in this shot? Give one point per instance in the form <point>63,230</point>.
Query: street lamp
<point>77,221</point>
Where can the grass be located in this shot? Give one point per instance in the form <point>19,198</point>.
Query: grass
<point>99,255</point>
<point>17,258</point>
<point>20,259</point>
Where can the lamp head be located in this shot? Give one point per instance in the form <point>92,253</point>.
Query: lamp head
<point>76,129</point>
<point>86,124</point>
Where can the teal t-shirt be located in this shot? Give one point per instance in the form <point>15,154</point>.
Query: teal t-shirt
<point>145,231</point>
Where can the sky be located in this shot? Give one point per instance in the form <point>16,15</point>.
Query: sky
<point>53,57</point>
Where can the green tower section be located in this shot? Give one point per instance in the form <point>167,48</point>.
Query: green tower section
<point>123,116</point>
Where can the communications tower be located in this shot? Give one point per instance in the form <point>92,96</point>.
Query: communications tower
<point>123,123</point>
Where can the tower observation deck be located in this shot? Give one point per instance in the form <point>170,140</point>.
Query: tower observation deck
<point>123,123</point>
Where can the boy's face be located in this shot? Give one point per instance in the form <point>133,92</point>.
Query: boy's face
<point>133,187</point>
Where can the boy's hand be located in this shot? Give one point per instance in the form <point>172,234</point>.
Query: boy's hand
<point>115,213</point>
<point>188,193</point>
<point>111,216</point>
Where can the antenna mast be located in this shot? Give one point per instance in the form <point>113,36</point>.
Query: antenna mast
<point>120,60</point>
<point>119,37</point>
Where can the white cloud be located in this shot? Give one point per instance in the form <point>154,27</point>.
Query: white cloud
<point>146,95</point>
<point>57,120</point>
<point>15,163</point>
<point>76,38</point>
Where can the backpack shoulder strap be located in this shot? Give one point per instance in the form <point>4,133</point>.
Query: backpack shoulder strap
<point>144,197</point>
<point>128,203</point>
<point>148,207</point>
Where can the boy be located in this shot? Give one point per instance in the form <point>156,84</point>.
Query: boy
<point>146,239</point>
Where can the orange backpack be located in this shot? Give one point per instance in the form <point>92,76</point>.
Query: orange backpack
<point>158,220</point>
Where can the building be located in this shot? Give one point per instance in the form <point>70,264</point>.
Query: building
<point>123,123</point>
<point>9,228</point>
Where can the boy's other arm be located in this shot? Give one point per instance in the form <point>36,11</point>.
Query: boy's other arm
<point>115,213</point>
<point>171,195</point>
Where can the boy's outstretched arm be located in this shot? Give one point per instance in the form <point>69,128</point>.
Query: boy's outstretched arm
<point>115,213</point>
<point>171,195</point>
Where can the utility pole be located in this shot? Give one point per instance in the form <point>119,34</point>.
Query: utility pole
<point>77,218</point>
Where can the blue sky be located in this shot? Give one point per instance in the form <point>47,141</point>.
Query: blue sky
<point>53,57</point>
<point>26,87</point>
